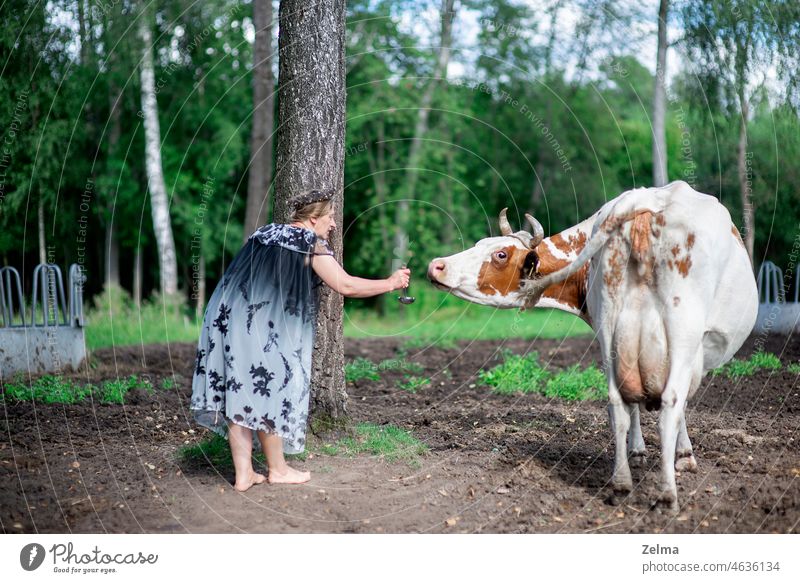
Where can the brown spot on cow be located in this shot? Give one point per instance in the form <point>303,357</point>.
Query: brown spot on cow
<point>676,301</point>
<point>676,250</point>
<point>615,269</point>
<point>572,291</point>
<point>502,277</point>
<point>689,241</point>
<point>660,220</point>
<point>641,246</point>
<point>573,244</point>
<point>684,265</point>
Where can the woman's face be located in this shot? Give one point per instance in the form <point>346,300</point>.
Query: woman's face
<point>325,224</point>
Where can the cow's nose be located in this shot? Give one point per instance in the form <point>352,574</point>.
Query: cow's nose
<point>435,269</point>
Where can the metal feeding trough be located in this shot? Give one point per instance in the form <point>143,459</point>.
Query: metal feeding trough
<point>52,339</point>
<point>777,314</point>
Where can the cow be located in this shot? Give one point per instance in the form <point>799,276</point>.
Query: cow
<point>662,277</point>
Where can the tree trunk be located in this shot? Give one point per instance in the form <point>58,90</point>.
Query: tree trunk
<point>137,276</point>
<point>420,129</point>
<point>745,186</point>
<point>660,177</point>
<point>260,172</point>
<point>111,249</point>
<point>42,237</point>
<point>310,155</point>
<point>167,262</point>
<point>201,286</point>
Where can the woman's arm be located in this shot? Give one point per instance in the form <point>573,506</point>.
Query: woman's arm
<point>356,287</point>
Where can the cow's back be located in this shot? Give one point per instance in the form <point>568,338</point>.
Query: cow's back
<point>675,267</point>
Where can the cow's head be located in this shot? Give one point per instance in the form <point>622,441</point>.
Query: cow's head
<point>496,271</point>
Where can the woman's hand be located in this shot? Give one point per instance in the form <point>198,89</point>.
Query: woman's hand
<point>399,279</point>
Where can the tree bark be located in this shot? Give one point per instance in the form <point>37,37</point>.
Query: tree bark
<point>137,276</point>
<point>260,172</point>
<point>745,185</point>
<point>111,249</point>
<point>42,234</point>
<point>660,177</point>
<point>310,155</point>
<point>167,262</point>
<point>420,129</point>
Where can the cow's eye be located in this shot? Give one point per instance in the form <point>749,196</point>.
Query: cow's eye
<point>501,255</point>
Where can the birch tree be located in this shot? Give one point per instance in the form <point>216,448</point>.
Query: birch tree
<point>260,172</point>
<point>167,262</point>
<point>660,177</point>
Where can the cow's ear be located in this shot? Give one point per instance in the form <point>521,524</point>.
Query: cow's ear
<point>529,265</point>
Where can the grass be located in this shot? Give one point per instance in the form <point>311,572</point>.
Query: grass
<point>793,368</point>
<point>50,389</point>
<point>434,320</point>
<point>413,383</point>
<point>517,374</point>
<point>524,374</point>
<point>386,441</point>
<point>575,384</point>
<point>737,368</point>
<point>362,368</point>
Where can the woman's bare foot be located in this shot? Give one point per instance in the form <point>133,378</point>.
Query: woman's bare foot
<point>250,480</point>
<point>288,476</point>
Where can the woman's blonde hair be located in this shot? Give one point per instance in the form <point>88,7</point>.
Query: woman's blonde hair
<point>313,210</point>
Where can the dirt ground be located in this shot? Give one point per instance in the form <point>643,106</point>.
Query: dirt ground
<point>501,464</point>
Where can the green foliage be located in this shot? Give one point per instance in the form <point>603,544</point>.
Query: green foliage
<point>524,374</point>
<point>48,389</point>
<point>793,368</point>
<point>57,389</point>
<point>517,374</point>
<point>575,384</point>
<point>360,369</point>
<point>386,441</point>
<point>412,383</point>
<point>737,368</point>
<point>114,320</point>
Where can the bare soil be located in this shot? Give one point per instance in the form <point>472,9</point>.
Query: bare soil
<point>507,464</point>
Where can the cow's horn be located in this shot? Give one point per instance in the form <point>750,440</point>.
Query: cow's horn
<point>538,231</point>
<point>505,228</point>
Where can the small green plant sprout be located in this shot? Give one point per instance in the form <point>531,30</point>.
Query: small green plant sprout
<point>48,389</point>
<point>360,369</point>
<point>793,368</point>
<point>737,368</point>
<point>575,384</point>
<point>517,374</point>
<point>412,383</point>
<point>115,391</point>
<point>168,383</point>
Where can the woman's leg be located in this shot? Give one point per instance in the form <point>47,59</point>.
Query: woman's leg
<point>279,470</point>
<point>241,441</point>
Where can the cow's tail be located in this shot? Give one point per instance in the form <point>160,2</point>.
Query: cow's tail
<point>608,223</point>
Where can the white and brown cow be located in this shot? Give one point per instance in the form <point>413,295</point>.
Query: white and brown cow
<point>664,280</point>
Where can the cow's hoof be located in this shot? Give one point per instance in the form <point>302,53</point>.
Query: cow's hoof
<point>668,501</point>
<point>686,464</point>
<point>637,459</point>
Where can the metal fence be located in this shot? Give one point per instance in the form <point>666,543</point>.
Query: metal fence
<point>47,334</point>
<point>776,314</point>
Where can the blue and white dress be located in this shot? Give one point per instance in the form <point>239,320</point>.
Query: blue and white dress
<point>253,364</point>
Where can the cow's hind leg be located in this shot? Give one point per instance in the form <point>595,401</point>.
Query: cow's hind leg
<point>685,461</point>
<point>683,366</point>
<point>636,448</point>
<point>620,418</point>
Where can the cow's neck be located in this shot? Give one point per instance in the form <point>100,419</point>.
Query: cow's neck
<point>556,252</point>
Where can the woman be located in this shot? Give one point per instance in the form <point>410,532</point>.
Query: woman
<point>253,366</point>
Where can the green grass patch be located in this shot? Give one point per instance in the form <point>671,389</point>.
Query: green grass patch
<point>517,374</point>
<point>113,319</point>
<point>737,368</point>
<point>386,441</point>
<point>360,369</point>
<point>793,368</point>
<point>575,384</point>
<point>412,384</point>
<point>50,389</point>
<point>524,374</point>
